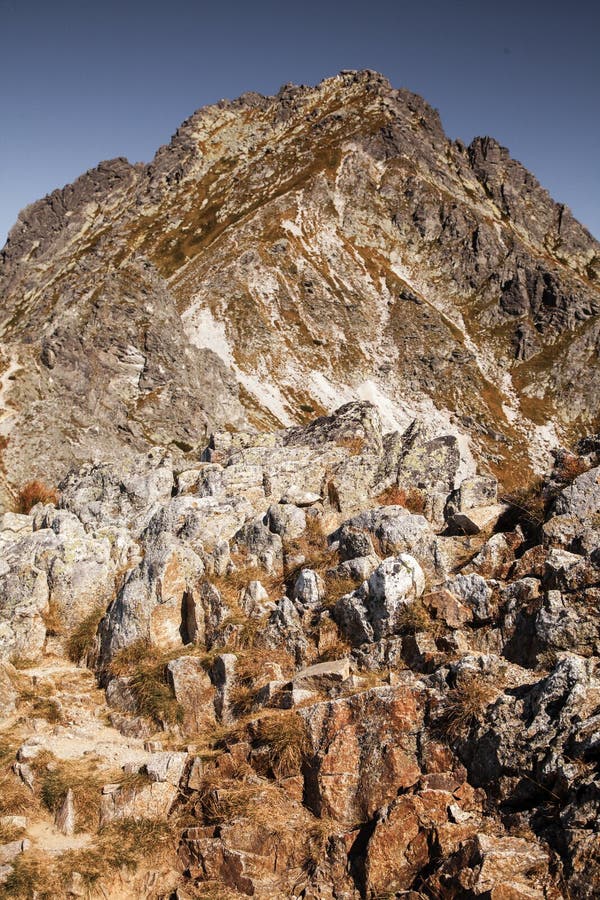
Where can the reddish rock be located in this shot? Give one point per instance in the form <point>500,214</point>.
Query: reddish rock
<point>399,847</point>
<point>363,751</point>
<point>445,606</point>
<point>194,692</point>
<point>498,868</point>
<point>531,564</point>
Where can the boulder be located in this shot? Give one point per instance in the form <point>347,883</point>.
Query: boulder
<point>477,518</point>
<point>377,609</point>
<point>150,801</point>
<point>475,593</point>
<point>363,751</point>
<point>286,520</point>
<point>397,531</point>
<point>309,588</point>
<point>65,815</point>
<point>166,767</point>
<point>194,692</point>
<point>500,868</point>
<point>322,676</point>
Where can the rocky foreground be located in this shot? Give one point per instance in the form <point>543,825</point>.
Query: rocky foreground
<point>316,662</point>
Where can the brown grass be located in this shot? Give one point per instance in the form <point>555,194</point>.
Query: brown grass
<point>83,777</point>
<point>53,619</point>
<point>249,675</point>
<point>284,733</point>
<point>81,639</point>
<point>35,492</point>
<point>121,845</point>
<point>145,665</point>
<point>466,703</point>
<point>412,498</point>
<point>569,467</point>
<point>314,547</point>
<point>529,501</point>
<point>414,617</point>
<point>354,444</point>
<point>15,798</point>
<point>337,586</point>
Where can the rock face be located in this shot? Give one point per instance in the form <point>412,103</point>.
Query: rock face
<point>313,691</point>
<point>282,632</point>
<point>222,285</point>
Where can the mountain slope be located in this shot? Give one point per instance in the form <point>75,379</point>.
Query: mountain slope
<point>283,255</point>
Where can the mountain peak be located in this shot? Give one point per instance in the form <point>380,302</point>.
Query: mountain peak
<point>325,244</point>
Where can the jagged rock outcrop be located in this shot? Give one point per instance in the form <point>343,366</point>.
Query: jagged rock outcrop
<point>283,255</point>
<point>304,692</point>
<point>295,623</point>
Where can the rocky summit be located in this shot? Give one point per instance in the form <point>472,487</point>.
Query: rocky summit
<point>300,518</point>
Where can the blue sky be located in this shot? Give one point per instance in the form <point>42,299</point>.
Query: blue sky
<point>85,81</point>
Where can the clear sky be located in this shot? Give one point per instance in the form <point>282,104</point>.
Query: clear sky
<point>82,81</point>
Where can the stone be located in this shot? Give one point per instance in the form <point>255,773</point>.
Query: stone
<point>223,677</point>
<point>497,555</point>
<point>502,868</point>
<point>475,593</point>
<point>151,801</point>
<point>8,692</point>
<point>194,692</point>
<point>255,599</point>
<point>397,582</point>
<point>475,492</point>
<point>399,846</point>
<point>300,498</point>
<point>396,531</point>
<point>166,767</point>
<point>286,520</point>
<point>353,542</point>
<point>478,518</point>
<point>10,851</point>
<point>322,676</point>
<point>196,774</point>
<point>65,815</point>
<point>363,750</point>
<point>161,601</point>
<point>446,607</point>
<point>581,498</point>
<point>309,588</point>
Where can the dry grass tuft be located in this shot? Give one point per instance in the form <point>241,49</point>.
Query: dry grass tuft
<point>81,639</point>
<point>15,798</point>
<point>568,467</point>
<point>412,498</point>
<point>34,492</point>
<point>33,876</point>
<point>249,675</point>
<point>529,501</point>
<point>145,665</point>
<point>53,619</point>
<point>466,703</point>
<point>84,779</point>
<point>336,586</point>
<point>354,444</point>
<point>283,732</point>
<point>313,546</point>
<point>414,617</point>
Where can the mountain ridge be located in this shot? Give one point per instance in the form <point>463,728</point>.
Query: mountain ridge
<point>305,224</point>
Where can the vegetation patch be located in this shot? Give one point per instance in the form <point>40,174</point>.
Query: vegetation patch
<point>410,498</point>
<point>32,493</point>
<point>145,665</point>
<point>81,639</point>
